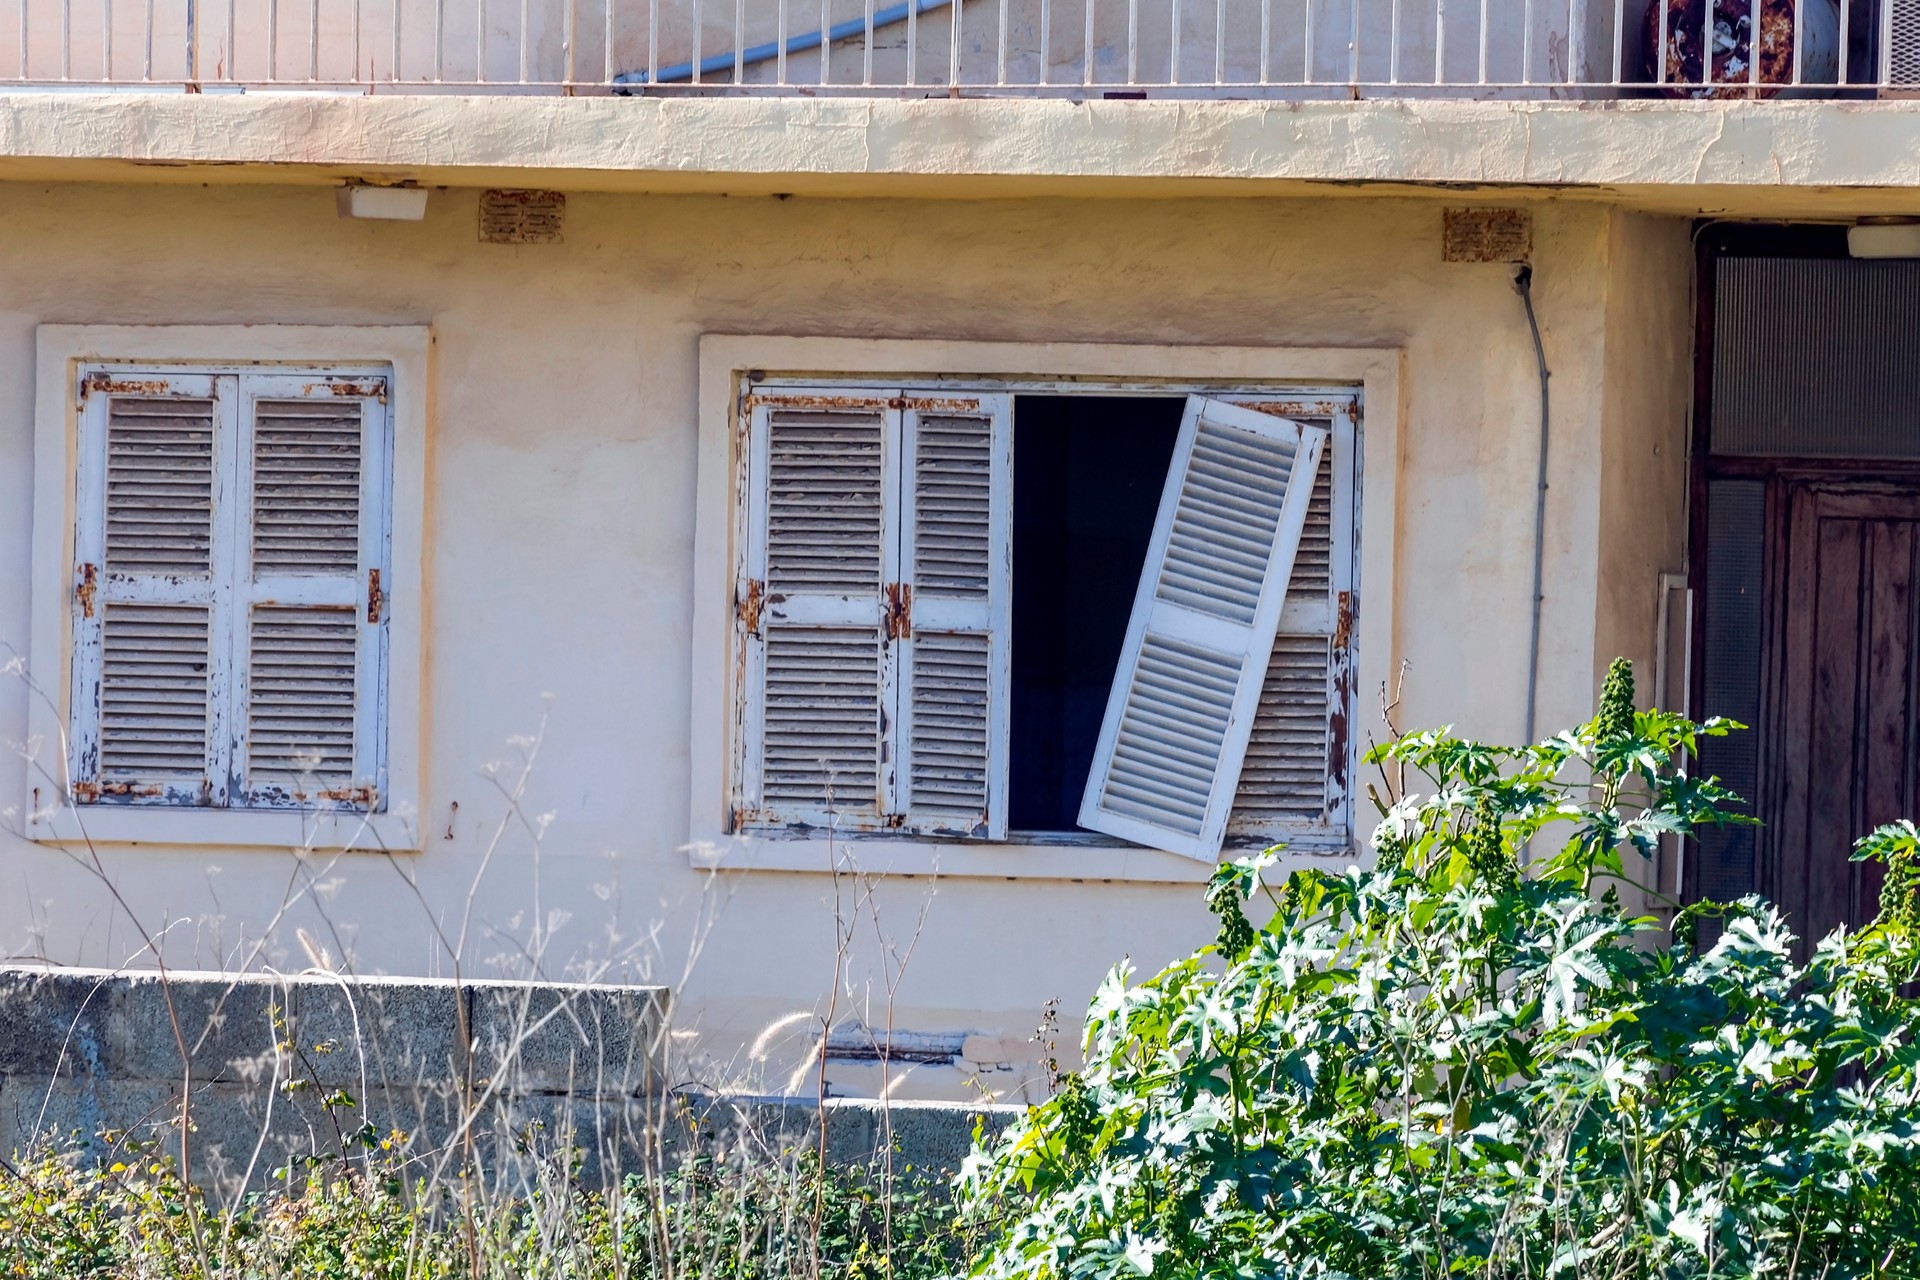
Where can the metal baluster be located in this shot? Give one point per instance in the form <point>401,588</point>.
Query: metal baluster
<point>1087,70</point>
<point>1660,63</point>
<point>1266,40</point>
<point>1393,44</point>
<point>393,65</point>
<point>23,39</point>
<point>699,38</point>
<point>1353,47</point>
<point>1753,43</point>
<point>1440,41</point>
<point>1619,37</point>
<point>353,76</point>
<point>1798,27</point>
<point>1846,25</point>
<point>1219,42</point>
<point>523,40</point>
<point>913,40</point>
<point>1306,56</point>
<point>313,40</point>
<point>606,51</point>
<point>1001,73</point>
<point>953,44</point>
<point>273,41</point>
<point>146,64</point>
<point>780,46</point>
<point>1133,41</point>
<point>826,44</point>
<point>1576,44</point>
<point>653,41</point>
<point>1046,38</point>
<point>866,46</point>
<point>1526,46</point>
<point>439,40</point>
<point>66,39</point>
<point>569,36</point>
<point>1173,55</point>
<point>106,39</point>
<point>1483,42</point>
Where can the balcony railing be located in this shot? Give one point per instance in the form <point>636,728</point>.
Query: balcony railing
<point>1090,48</point>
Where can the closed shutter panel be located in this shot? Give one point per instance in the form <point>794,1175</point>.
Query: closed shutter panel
<point>313,480</point>
<point>148,664</point>
<point>955,655</point>
<point>821,545</point>
<point>1294,781</point>
<point>1201,636</point>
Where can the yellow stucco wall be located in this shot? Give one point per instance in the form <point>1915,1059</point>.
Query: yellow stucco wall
<point>560,512</point>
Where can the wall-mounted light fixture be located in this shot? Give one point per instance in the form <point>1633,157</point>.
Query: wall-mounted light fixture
<point>1884,238</point>
<point>395,204</point>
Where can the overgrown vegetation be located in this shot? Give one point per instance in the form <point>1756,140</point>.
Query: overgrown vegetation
<point>742,1214</point>
<point>1463,1062</point>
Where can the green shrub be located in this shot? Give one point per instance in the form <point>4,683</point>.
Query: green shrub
<point>1466,1063</point>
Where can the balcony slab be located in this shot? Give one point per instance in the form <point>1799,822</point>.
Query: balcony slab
<point>1751,159</point>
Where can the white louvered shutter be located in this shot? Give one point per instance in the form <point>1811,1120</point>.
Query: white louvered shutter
<point>822,543</point>
<point>312,602</point>
<point>1202,629</point>
<point>955,655</point>
<point>149,557</point>
<point>1294,783</point>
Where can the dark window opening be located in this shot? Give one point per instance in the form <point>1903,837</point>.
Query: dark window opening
<point>1088,472</point>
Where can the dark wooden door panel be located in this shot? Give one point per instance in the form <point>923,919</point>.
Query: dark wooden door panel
<point>1842,713</point>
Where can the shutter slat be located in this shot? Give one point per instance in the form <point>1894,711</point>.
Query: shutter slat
<point>953,501</point>
<point>824,501</point>
<point>1186,694</point>
<point>947,774</point>
<point>153,693</point>
<point>306,487</point>
<point>1285,775</point>
<point>820,737</point>
<point>159,474</point>
<point>301,697</point>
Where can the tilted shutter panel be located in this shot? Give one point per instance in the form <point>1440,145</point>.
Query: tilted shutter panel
<point>310,647</point>
<point>955,652</point>
<point>821,541</point>
<point>1202,629</point>
<point>149,549</point>
<point>1294,783</point>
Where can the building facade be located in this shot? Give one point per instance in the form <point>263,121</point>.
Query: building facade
<point>604,494</point>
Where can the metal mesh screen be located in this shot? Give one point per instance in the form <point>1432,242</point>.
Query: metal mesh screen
<point>1816,357</point>
<point>1730,674</point>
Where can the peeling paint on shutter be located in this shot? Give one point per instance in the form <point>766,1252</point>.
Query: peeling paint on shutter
<point>957,514</point>
<point>153,698</point>
<point>309,649</point>
<point>819,659</point>
<point>1203,626</point>
<point>821,735</point>
<point>148,658</point>
<point>302,670</point>
<point>1313,563</point>
<point>824,501</point>
<point>159,499</point>
<point>306,486</point>
<point>1284,778</point>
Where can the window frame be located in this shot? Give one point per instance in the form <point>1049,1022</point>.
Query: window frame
<point>67,353</point>
<point>732,366</point>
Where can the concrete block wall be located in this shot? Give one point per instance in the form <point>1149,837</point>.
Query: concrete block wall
<point>280,1072</point>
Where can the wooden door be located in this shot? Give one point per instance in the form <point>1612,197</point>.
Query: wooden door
<point>1841,705</point>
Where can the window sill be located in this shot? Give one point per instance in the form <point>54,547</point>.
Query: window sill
<point>888,856</point>
<point>206,828</point>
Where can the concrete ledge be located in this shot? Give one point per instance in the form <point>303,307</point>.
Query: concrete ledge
<point>1659,154</point>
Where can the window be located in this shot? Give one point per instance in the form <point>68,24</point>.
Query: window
<point>981,613</point>
<point>230,549</point>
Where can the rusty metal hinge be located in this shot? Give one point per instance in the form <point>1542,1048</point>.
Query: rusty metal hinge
<point>1343,621</point>
<point>748,606</point>
<point>85,590</point>
<point>899,611</point>
<point>376,598</point>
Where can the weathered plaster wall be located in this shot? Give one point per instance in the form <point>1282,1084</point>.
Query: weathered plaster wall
<point>561,516</point>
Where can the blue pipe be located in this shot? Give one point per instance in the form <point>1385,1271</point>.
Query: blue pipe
<point>724,62</point>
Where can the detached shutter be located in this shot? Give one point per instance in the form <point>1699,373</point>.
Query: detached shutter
<point>149,549</point>
<point>955,656</point>
<point>311,605</point>
<point>821,543</point>
<point>1202,631</point>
